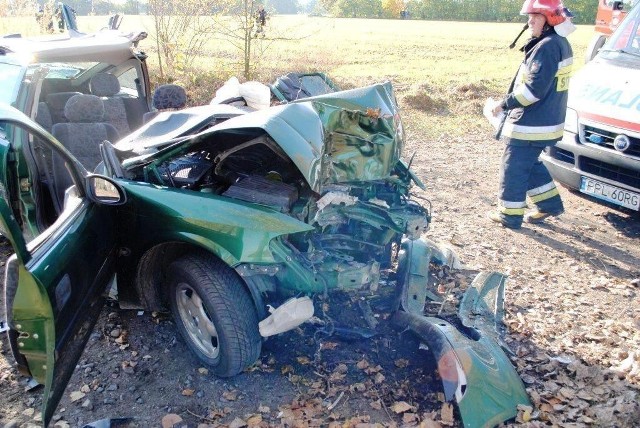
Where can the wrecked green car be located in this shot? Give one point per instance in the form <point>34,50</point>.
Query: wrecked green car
<point>237,222</point>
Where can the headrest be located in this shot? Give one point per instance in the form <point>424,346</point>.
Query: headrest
<point>104,85</point>
<point>84,108</point>
<point>169,96</point>
<point>57,100</point>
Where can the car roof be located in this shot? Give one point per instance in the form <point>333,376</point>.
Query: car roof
<point>105,46</point>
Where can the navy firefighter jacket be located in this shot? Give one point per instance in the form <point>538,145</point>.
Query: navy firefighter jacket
<point>537,103</point>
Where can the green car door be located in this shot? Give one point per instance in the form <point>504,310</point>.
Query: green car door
<point>57,276</point>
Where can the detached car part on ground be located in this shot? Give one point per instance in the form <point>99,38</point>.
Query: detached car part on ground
<point>599,154</point>
<point>275,207</point>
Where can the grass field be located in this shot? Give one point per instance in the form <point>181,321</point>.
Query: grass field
<point>442,71</point>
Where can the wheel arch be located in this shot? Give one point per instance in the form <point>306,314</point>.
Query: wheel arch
<point>152,269</point>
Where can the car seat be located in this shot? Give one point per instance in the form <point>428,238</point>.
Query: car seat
<point>166,97</point>
<point>43,116</point>
<point>56,102</point>
<point>85,130</point>
<point>82,136</point>
<point>106,86</point>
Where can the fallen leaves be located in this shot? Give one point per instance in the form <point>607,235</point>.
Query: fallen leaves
<point>401,407</point>
<point>524,413</point>
<point>358,387</point>
<point>237,423</point>
<point>446,414</point>
<point>377,404</point>
<point>373,113</point>
<point>171,420</point>
<point>379,378</point>
<point>409,418</point>
<point>254,420</point>
<point>286,369</point>
<point>563,388</point>
<point>230,395</point>
<point>328,345</point>
<point>629,366</point>
<point>401,363</point>
<point>303,360</point>
<point>339,373</point>
<point>566,390</point>
<point>76,395</point>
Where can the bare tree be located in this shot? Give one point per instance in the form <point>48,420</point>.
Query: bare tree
<point>181,30</point>
<point>17,7</point>
<point>183,27</point>
<point>240,29</point>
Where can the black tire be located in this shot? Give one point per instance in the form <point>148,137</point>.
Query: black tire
<point>214,313</point>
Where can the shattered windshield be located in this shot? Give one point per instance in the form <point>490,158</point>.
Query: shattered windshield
<point>9,82</point>
<point>60,70</point>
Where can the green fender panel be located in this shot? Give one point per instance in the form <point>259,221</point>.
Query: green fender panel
<point>236,231</point>
<point>475,371</point>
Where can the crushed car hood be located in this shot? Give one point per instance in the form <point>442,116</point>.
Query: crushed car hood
<point>174,125</point>
<point>342,137</point>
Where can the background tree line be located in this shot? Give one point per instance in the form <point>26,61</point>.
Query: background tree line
<point>441,10</point>
<point>449,10</point>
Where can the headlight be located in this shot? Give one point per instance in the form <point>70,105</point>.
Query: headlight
<point>571,121</point>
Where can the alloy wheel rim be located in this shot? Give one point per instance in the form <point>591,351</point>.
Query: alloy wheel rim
<point>196,320</point>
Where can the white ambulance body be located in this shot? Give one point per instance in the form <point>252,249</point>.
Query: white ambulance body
<point>599,154</point>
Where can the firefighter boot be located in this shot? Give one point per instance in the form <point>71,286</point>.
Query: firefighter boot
<point>508,221</point>
<point>536,216</point>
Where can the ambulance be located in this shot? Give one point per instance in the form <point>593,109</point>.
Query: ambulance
<point>599,154</point>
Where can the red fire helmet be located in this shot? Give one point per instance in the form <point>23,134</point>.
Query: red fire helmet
<point>553,10</point>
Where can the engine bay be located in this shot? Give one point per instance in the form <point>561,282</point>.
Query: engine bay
<point>355,224</point>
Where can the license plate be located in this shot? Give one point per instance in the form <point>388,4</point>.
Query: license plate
<point>610,193</point>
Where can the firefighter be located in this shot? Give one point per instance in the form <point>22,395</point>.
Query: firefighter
<point>535,109</point>
<point>261,20</point>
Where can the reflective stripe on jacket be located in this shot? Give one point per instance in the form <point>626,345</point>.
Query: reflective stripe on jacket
<point>537,105</point>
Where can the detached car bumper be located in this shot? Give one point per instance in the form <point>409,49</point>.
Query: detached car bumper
<point>475,371</point>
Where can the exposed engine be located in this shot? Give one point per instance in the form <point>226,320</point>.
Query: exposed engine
<point>356,224</point>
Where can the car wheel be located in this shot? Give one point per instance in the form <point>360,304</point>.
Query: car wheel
<point>214,313</point>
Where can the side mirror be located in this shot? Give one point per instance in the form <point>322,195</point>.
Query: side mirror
<point>617,5</point>
<point>104,190</point>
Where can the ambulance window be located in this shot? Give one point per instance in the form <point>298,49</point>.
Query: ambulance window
<point>627,36</point>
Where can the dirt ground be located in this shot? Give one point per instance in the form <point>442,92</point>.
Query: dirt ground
<point>572,318</point>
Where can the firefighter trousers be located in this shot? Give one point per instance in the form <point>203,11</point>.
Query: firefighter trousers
<point>522,174</point>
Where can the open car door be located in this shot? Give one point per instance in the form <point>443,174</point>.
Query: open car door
<point>55,280</point>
